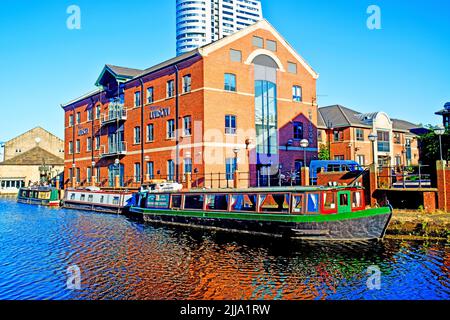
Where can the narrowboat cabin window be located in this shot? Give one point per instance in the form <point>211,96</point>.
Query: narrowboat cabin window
<point>177,201</point>
<point>90,198</point>
<point>329,202</point>
<point>194,202</point>
<point>217,202</point>
<point>72,196</point>
<point>274,203</point>
<point>158,201</point>
<point>297,203</point>
<point>343,200</point>
<point>83,197</point>
<point>357,200</point>
<point>313,203</point>
<point>243,202</point>
<point>102,198</point>
<point>116,200</point>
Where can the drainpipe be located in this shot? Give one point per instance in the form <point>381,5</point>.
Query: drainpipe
<point>177,135</point>
<point>142,130</point>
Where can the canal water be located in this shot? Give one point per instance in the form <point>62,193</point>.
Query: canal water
<point>41,249</point>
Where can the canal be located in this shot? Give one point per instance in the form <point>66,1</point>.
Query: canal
<point>123,259</point>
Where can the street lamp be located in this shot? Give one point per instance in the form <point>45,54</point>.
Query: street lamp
<point>440,131</point>
<point>373,137</point>
<point>304,144</point>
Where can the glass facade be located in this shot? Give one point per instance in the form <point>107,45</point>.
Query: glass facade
<point>266,118</point>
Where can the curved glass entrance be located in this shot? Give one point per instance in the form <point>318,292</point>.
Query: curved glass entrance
<point>113,171</point>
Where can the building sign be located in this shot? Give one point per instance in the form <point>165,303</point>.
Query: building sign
<point>83,132</point>
<point>156,113</point>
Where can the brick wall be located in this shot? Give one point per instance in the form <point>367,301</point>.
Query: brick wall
<point>443,181</point>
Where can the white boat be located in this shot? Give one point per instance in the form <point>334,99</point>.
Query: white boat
<point>94,199</point>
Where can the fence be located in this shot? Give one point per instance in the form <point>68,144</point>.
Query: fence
<point>412,177</point>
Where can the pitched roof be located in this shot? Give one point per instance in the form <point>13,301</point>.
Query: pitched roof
<point>124,72</point>
<point>403,125</point>
<point>36,156</point>
<point>38,128</point>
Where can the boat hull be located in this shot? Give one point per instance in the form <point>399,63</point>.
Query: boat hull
<point>365,225</point>
<point>96,208</point>
<point>37,202</point>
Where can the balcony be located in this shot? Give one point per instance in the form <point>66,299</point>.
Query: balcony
<point>117,113</point>
<point>114,150</point>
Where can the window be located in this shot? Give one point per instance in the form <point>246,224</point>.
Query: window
<point>312,202</point>
<point>98,111</point>
<point>90,114</point>
<point>235,55</point>
<point>297,205</point>
<point>71,173</point>
<point>150,95</point>
<point>194,202</point>
<point>137,172</point>
<point>357,200</point>
<point>339,158</point>
<point>271,45</point>
<point>90,198</point>
<point>137,135</point>
<point>170,89</point>
<point>230,124</point>
<point>297,94</point>
<point>97,143</point>
<point>231,166</point>
<point>89,174</point>
<point>89,144</point>
<point>187,126</point>
<point>361,159</point>
<point>170,170</point>
<point>359,135</point>
<point>338,136</point>
<point>343,200</point>
<point>151,170</point>
<point>243,202</point>
<point>78,118</point>
<point>70,147</point>
<point>78,146</point>
<point>83,197</point>
<point>258,42</point>
<point>397,138</point>
<point>298,130</point>
<point>177,201</point>
<point>329,201</point>
<point>97,174</point>
<point>292,67</point>
<point>171,129</point>
<point>383,141</point>
<point>158,201</point>
<point>78,177</point>
<point>217,202</point>
<point>137,99</point>
<point>319,136</point>
<point>71,120</point>
<point>187,83</point>
<point>274,203</point>
<point>150,133</point>
<point>188,165</point>
<point>230,82</point>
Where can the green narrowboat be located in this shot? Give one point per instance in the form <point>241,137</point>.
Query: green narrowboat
<point>309,213</point>
<point>43,196</point>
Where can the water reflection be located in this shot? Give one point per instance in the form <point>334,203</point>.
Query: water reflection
<point>123,259</point>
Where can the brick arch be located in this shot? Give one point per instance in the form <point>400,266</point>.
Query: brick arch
<point>264,52</point>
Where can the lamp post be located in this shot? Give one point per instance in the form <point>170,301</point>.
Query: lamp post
<point>236,153</point>
<point>373,137</point>
<point>117,175</point>
<point>147,175</point>
<point>92,172</point>
<point>440,131</point>
<point>304,144</point>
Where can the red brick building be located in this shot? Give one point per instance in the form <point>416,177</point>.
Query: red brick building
<point>242,103</point>
<point>345,132</point>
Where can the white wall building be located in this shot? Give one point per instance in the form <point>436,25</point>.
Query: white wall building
<point>200,22</point>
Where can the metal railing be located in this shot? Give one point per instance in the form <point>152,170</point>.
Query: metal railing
<point>411,177</point>
<point>114,116</point>
<point>114,150</point>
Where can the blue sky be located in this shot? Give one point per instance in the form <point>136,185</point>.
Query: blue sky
<point>403,69</point>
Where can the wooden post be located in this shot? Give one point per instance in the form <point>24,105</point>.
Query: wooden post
<point>236,180</point>
<point>188,177</point>
<point>304,176</point>
<point>74,182</point>
<point>117,181</point>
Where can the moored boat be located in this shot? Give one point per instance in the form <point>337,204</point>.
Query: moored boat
<point>43,196</point>
<point>320,213</point>
<point>94,199</point>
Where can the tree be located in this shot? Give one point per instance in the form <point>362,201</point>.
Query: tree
<point>324,152</point>
<point>429,147</point>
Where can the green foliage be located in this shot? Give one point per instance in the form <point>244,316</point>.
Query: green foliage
<point>324,152</point>
<point>429,145</point>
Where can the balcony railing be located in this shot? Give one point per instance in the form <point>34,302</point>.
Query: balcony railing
<point>114,150</point>
<point>112,116</point>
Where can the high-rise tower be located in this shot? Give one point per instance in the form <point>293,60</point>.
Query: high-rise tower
<point>200,22</point>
